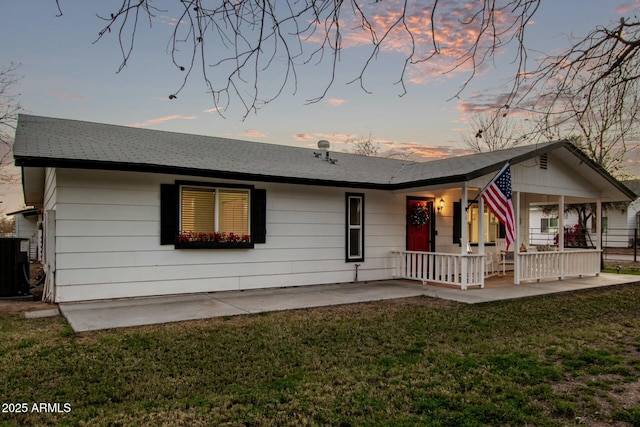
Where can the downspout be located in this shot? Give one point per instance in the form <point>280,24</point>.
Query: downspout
<point>599,232</point>
<point>516,243</point>
<point>464,235</point>
<point>561,235</point>
<point>481,251</point>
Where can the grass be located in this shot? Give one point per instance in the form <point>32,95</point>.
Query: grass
<point>622,270</point>
<point>556,360</point>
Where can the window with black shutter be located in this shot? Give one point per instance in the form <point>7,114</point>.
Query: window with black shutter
<point>208,216</point>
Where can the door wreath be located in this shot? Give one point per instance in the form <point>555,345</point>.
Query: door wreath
<point>420,214</point>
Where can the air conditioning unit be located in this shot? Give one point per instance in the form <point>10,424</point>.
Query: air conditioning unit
<point>14,267</point>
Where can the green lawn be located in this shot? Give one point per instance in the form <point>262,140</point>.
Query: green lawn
<point>558,360</point>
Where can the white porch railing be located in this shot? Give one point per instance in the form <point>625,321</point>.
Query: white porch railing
<point>451,269</point>
<point>557,265</point>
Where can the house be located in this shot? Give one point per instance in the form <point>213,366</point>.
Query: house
<point>131,212</point>
<point>620,222</point>
<point>633,211</point>
<point>26,227</point>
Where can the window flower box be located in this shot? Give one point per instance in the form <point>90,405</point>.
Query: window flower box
<point>191,240</point>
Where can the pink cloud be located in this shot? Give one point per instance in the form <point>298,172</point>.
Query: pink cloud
<point>167,20</point>
<point>623,9</point>
<point>414,151</point>
<point>302,137</point>
<point>251,133</point>
<point>163,119</point>
<point>335,101</point>
<point>457,28</point>
<point>422,152</point>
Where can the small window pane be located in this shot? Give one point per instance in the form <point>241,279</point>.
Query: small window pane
<point>354,242</point>
<point>233,212</point>
<point>198,210</point>
<point>354,211</point>
<point>491,225</point>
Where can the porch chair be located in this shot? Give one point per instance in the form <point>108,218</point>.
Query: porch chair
<point>489,266</point>
<point>504,257</point>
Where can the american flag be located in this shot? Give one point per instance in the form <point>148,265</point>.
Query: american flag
<point>497,195</point>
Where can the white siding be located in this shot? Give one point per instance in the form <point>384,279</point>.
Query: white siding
<point>536,236</point>
<point>27,228</point>
<point>617,235</point>
<point>108,244</point>
<point>632,219</point>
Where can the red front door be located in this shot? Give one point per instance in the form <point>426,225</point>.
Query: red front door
<point>419,217</point>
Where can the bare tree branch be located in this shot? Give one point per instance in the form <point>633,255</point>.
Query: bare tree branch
<point>591,91</point>
<point>250,50</point>
<point>9,109</point>
<point>368,146</point>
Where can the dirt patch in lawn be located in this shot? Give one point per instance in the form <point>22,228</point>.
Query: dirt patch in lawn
<point>18,307</point>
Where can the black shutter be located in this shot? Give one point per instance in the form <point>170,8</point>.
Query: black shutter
<point>168,213</point>
<point>457,222</point>
<point>259,216</point>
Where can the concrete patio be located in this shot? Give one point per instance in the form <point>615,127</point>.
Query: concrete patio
<point>89,316</point>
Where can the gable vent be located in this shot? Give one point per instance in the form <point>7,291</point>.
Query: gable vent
<point>543,161</point>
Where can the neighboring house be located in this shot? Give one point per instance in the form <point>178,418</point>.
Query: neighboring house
<point>616,234</point>
<point>131,212</point>
<point>620,223</point>
<point>26,227</point>
<point>633,211</point>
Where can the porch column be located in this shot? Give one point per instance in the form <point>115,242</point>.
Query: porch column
<point>599,232</point>
<point>516,244</point>
<point>561,235</point>
<point>561,224</point>
<point>481,226</point>
<point>599,224</point>
<point>464,236</point>
<point>464,227</point>
<point>483,261</point>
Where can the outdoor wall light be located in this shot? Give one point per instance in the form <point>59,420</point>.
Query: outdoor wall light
<point>440,205</point>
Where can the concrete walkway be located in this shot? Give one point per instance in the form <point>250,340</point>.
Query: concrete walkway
<point>89,316</point>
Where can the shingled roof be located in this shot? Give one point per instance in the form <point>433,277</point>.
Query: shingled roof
<point>52,142</point>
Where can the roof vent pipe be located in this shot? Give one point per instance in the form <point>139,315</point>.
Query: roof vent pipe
<point>324,145</point>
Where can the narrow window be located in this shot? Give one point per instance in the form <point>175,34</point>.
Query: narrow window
<point>548,225</point>
<point>605,224</point>
<point>355,227</point>
<point>491,225</point>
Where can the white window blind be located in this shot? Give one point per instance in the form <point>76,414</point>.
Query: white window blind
<point>214,210</point>
<point>198,207</point>
<point>233,215</point>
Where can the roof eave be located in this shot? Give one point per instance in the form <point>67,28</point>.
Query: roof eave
<point>602,171</point>
<point>39,162</point>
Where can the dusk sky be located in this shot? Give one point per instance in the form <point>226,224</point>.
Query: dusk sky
<point>67,75</point>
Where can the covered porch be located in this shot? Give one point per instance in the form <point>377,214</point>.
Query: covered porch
<point>465,241</point>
